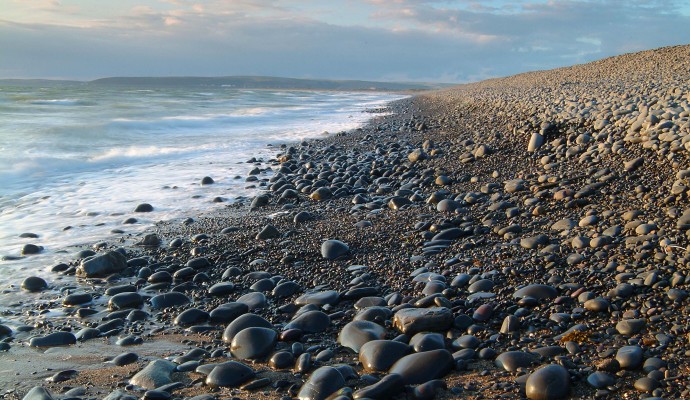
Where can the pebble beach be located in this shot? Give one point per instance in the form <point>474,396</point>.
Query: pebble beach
<point>521,237</point>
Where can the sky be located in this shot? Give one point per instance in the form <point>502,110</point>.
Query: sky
<point>451,41</point>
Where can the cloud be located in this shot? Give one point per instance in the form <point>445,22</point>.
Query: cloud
<point>458,40</point>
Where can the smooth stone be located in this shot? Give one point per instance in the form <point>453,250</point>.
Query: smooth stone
<point>143,207</point>
<point>630,357</point>
<point>37,393</point>
<point>285,289</point>
<point>29,249</point>
<point>418,368</point>
<point>427,341</point>
<point>356,333</point>
<point>380,355</point>
<point>125,300</point>
<point>54,339</point>
<point>227,312</point>
<point>414,320</point>
<point>102,265</point>
<point>157,373</point>
<point>512,360</point>
<point>386,388</point>
<point>630,327</point>
<point>191,316</point>
<point>76,299</point>
<point>229,374</point>
<point>646,384</point>
<point>332,249</point>
<point>376,314</point>
<point>242,322</point>
<point>125,359</point>
<point>597,305</point>
<point>310,322</point>
<point>34,284</point>
<point>197,263</point>
<point>87,333</point>
<point>482,285</point>
<point>601,380</point>
<point>330,297</point>
<point>221,289</point>
<point>253,342</point>
<point>281,360</point>
<point>321,384</point>
<point>268,232</point>
<point>536,291</point>
<point>254,300</point>
<point>548,382</point>
<point>170,299</point>
<point>533,242</point>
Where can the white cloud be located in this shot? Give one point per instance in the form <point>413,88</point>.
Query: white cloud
<point>403,39</point>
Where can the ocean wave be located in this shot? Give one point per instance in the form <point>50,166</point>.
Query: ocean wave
<point>60,102</point>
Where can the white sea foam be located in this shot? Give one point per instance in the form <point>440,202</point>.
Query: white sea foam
<point>88,167</point>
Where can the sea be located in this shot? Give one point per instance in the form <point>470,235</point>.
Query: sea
<point>75,160</point>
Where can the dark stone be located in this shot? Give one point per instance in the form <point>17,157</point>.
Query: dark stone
<point>54,339</point>
<point>102,265</point>
<point>253,342</point>
<point>322,383</point>
<point>171,299</point>
<point>418,368</point>
<point>548,382</point>
<point>143,207</point>
<point>229,374</point>
<point>34,284</point>
<point>380,355</point>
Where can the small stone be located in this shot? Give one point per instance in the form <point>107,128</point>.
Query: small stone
<point>630,357</point>
<point>414,320</point>
<point>512,360</point>
<point>143,207</point>
<point>54,339</point>
<point>253,342</point>
<point>380,355</point>
<point>321,384</point>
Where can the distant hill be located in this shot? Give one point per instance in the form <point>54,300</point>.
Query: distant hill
<point>263,82</point>
<point>38,82</point>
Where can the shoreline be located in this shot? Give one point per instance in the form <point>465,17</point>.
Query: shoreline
<point>539,234</point>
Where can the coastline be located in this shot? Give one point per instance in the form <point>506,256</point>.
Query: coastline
<point>601,231</point>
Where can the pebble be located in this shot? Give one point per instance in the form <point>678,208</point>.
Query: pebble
<point>380,355</point>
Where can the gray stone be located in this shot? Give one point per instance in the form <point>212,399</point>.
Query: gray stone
<point>156,373</point>
<point>630,327</point>
<point>229,374</point>
<point>548,382</point>
<point>321,384</point>
<point>536,291</point>
<point>418,368</point>
<point>356,333</point>
<point>170,299</point>
<point>34,284</point>
<point>535,142</point>
<point>37,393</point>
<point>332,249</point>
<point>268,232</point>
<point>330,297</point>
<point>54,339</point>
<point>102,265</point>
<point>380,355</point>
<point>243,322</point>
<point>512,360</point>
<point>629,357</point>
<point>253,342</point>
<point>600,380</point>
<point>310,322</point>
<point>414,320</point>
